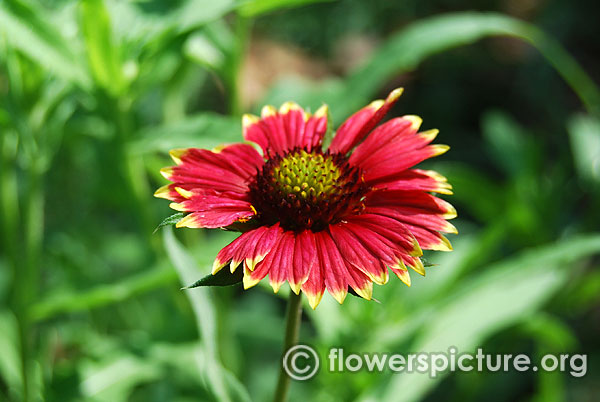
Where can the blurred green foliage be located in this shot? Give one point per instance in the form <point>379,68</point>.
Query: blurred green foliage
<point>93,94</point>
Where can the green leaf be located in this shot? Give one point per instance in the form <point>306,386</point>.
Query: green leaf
<point>203,51</point>
<point>66,302</point>
<point>114,379</point>
<point>221,278</point>
<point>195,13</point>
<point>10,364</point>
<point>551,333</point>
<point>28,28</point>
<point>584,132</point>
<point>507,142</point>
<point>254,8</point>
<point>170,220</point>
<point>204,311</point>
<point>103,54</point>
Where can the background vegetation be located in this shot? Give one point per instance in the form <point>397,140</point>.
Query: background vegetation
<point>94,93</point>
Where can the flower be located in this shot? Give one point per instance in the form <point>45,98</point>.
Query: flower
<point>320,219</point>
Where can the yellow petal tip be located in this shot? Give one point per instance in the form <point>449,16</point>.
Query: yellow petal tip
<point>321,112</point>
<point>178,207</point>
<point>163,192</point>
<point>287,106</point>
<point>184,193</point>
<point>377,104</point>
<point>313,299</point>
<point>176,154</point>
<point>166,172</point>
<point>439,149</point>
<point>395,94</point>
<point>268,111</point>
<point>249,119</point>
<point>217,266</point>
<point>339,296</point>
<point>415,121</point>
<point>429,135</point>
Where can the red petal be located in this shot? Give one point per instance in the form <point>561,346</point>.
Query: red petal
<point>315,284</point>
<point>227,170</point>
<point>280,260</point>
<point>334,269</point>
<point>394,129</point>
<point>357,126</point>
<point>377,245</point>
<point>394,162</point>
<point>424,227</point>
<point>394,147</point>
<point>265,241</point>
<point>305,257</point>
<point>390,229</point>
<point>415,179</point>
<point>414,216</point>
<point>213,210</point>
<point>288,128</point>
<point>270,261</point>
<point>316,126</point>
<point>411,202</point>
<point>340,274</point>
<point>254,245</point>
<point>357,255</point>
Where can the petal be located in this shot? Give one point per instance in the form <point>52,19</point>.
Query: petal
<point>226,170</point>
<point>339,274</point>
<point>210,210</point>
<point>270,263</point>
<point>411,202</point>
<point>390,229</point>
<point>402,273</point>
<point>393,130</point>
<point>392,164</point>
<point>413,216</point>
<point>258,251</point>
<point>357,255</point>
<point>314,287</point>
<point>394,147</point>
<point>421,213</point>
<point>415,179</point>
<point>253,246</point>
<point>305,258</point>
<point>389,253</point>
<point>424,228</point>
<point>334,270</point>
<point>280,260</point>
<point>286,129</point>
<point>251,278</point>
<point>315,129</point>
<point>357,126</point>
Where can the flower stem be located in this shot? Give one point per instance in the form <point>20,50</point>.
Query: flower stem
<point>292,330</point>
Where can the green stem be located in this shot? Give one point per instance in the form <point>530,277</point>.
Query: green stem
<point>26,277</point>
<point>292,331</point>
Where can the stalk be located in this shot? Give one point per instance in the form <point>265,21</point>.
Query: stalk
<point>292,331</point>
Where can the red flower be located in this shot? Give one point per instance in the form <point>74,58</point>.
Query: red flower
<point>319,219</point>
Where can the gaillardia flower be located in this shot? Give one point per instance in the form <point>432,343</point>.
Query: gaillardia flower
<point>320,219</point>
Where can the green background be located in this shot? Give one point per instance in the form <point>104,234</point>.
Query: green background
<point>94,93</point>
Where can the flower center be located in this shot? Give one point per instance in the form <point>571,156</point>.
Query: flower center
<point>307,190</point>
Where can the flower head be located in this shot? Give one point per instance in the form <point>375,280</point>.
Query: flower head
<point>319,219</point>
